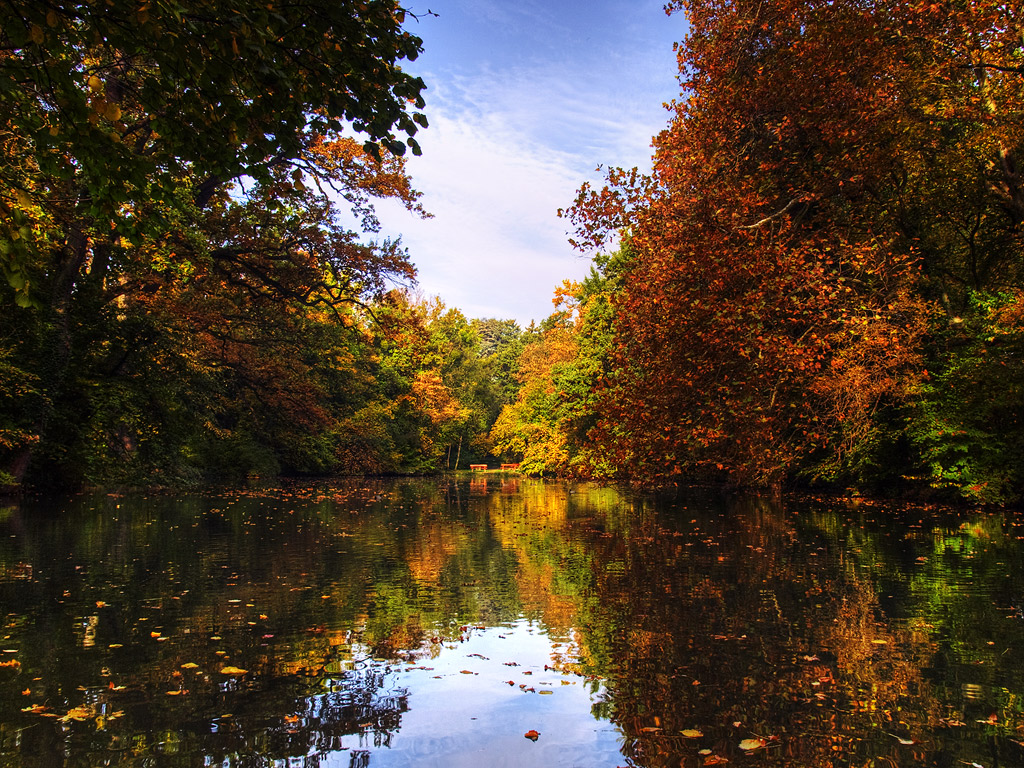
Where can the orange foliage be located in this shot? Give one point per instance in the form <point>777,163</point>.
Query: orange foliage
<point>770,302</point>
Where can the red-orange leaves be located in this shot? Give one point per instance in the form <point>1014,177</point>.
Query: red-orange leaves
<point>762,242</point>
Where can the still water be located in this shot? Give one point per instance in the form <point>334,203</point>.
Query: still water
<point>507,622</point>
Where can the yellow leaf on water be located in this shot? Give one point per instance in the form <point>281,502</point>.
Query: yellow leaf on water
<point>750,744</point>
<point>233,671</point>
<point>691,733</point>
<point>190,665</point>
<point>78,713</point>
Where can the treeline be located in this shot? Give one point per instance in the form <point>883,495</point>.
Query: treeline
<point>821,281</point>
<point>194,285</point>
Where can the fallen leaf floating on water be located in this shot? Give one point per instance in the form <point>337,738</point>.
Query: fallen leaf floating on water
<point>78,713</point>
<point>691,733</point>
<point>749,745</point>
<point>190,665</point>
<point>715,760</point>
<point>907,742</point>
<point>233,671</point>
<point>532,735</point>
<point>551,692</point>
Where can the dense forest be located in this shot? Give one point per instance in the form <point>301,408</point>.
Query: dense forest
<point>820,281</point>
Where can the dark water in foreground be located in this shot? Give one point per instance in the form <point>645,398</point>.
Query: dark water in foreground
<point>423,623</point>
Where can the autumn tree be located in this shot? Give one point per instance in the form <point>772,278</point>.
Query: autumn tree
<point>562,368</point>
<point>838,180</point>
<point>435,398</point>
<point>169,186</point>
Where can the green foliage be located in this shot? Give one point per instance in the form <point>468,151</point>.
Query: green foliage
<point>968,424</point>
<point>550,428</point>
<point>191,307</point>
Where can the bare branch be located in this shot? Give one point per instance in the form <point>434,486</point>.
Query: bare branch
<point>777,215</point>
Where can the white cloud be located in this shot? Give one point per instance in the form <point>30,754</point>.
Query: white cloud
<point>506,148</point>
<point>495,247</point>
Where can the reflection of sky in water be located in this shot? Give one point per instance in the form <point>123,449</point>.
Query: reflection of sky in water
<point>853,632</point>
<point>457,719</point>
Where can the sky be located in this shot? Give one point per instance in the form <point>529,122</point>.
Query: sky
<point>525,98</point>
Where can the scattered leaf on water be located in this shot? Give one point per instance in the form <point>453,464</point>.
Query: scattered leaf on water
<point>532,735</point>
<point>233,671</point>
<point>691,733</point>
<point>752,744</point>
<point>715,760</point>
<point>551,692</point>
<point>78,713</point>
<point>190,665</point>
<point>704,752</point>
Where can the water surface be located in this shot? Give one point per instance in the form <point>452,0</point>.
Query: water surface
<point>436,623</point>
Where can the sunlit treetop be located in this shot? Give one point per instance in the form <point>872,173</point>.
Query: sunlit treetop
<point>121,91</point>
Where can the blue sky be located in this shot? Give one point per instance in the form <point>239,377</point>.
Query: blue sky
<point>525,99</point>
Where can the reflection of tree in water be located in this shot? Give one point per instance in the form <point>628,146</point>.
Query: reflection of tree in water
<point>251,732</point>
<point>767,619</point>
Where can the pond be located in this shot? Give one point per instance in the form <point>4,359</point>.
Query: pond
<point>507,622</point>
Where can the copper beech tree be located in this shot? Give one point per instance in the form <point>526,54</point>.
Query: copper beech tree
<point>836,180</point>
